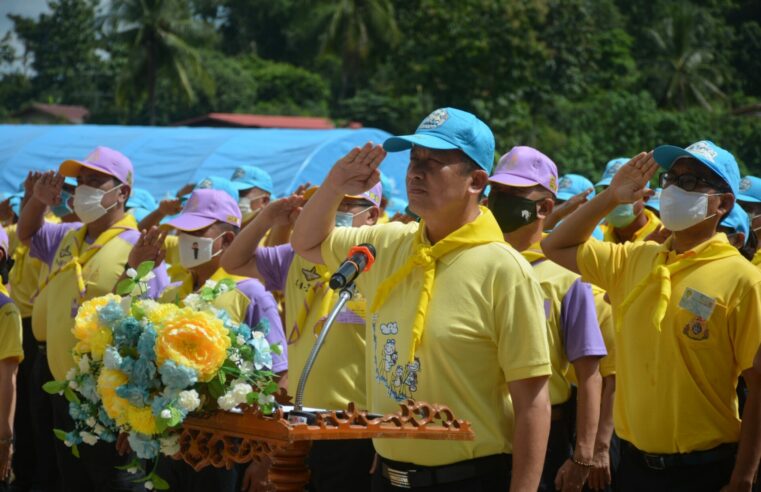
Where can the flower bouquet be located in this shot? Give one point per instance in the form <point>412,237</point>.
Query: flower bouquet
<point>143,366</point>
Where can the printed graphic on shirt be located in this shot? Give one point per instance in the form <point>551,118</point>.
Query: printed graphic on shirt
<point>399,379</point>
<point>64,256</point>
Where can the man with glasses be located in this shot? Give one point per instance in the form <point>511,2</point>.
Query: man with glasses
<point>750,200</point>
<point>628,221</point>
<point>685,330</point>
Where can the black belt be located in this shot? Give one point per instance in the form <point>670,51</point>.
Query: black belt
<point>408,475</point>
<point>695,458</point>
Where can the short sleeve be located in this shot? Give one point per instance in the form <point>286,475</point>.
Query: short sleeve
<point>601,262</point>
<point>745,327</point>
<point>341,240</point>
<point>521,328</point>
<point>273,264</point>
<point>46,240</point>
<point>10,332</point>
<point>605,319</point>
<point>581,331</point>
<point>262,306</point>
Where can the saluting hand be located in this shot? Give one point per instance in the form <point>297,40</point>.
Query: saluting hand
<point>628,185</point>
<point>284,211</point>
<point>170,206</point>
<point>566,208</point>
<point>149,247</point>
<point>48,187</point>
<point>357,171</point>
<point>29,182</point>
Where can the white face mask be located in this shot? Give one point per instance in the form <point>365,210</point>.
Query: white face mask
<point>681,209</point>
<point>346,219</point>
<point>87,203</point>
<point>195,250</point>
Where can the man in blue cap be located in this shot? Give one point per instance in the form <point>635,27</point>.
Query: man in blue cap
<point>141,203</point>
<point>456,315</point>
<point>255,190</point>
<point>685,329</point>
<point>628,221</point>
<point>749,199</point>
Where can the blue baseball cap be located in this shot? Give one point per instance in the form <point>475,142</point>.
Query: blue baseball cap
<point>388,186</point>
<point>571,185</point>
<point>70,181</point>
<point>141,203</point>
<point>737,220</point>
<point>611,168</point>
<point>396,205</point>
<point>709,154</point>
<point>247,177</point>
<point>654,202</point>
<point>15,201</point>
<point>217,183</point>
<point>750,190</point>
<point>450,129</point>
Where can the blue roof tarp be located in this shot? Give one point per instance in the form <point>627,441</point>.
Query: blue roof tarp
<point>167,158</point>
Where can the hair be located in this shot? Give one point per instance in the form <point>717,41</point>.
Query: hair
<point>226,227</point>
<point>468,165</point>
<point>751,245</point>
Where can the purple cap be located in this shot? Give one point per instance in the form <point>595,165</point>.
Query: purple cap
<point>104,160</point>
<point>526,166</point>
<point>373,195</point>
<point>205,207</point>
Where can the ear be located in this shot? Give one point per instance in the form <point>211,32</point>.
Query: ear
<point>726,203</point>
<point>266,199</point>
<point>227,238</point>
<point>124,193</point>
<point>372,216</point>
<point>479,180</point>
<point>545,207</point>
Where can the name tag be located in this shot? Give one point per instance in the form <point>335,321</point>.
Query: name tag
<point>697,303</point>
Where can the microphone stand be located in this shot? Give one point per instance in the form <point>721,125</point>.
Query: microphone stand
<point>298,415</point>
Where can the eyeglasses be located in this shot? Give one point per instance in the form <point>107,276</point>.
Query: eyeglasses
<point>688,182</point>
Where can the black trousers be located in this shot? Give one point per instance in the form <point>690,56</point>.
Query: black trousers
<point>498,480</point>
<point>182,477</point>
<point>41,414</point>
<point>634,475</point>
<point>95,469</point>
<point>24,466</point>
<point>337,466</point>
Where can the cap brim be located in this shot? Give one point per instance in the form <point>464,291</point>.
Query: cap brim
<point>240,185</point>
<point>564,195</point>
<point>512,180</point>
<point>190,222</point>
<point>71,168</point>
<point>405,142</point>
<point>747,198</point>
<point>604,182</point>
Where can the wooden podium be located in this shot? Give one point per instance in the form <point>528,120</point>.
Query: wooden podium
<point>222,439</point>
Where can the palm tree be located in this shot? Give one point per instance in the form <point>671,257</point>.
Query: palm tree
<point>157,35</point>
<point>353,29</point>
<point>684,67</point>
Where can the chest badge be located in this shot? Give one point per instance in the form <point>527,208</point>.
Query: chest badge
<point>696,329</point>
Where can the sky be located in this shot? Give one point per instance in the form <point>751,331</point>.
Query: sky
<point>26,8</point>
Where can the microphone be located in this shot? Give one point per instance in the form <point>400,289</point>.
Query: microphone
<point>360,259</point>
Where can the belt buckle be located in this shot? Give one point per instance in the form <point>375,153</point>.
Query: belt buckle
<point>655,462</point>
<point>399,478</point>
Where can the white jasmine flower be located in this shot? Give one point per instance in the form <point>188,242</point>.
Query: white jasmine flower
<point>266,400</point>
<point>246,367</point>
<point>84,364</point>
<point>240,392</point>
<point>149,485</point>
<point>132,470</point>
<point>223,288</point>
<point>73,385</point>
<point>170,445</point>
<point>240,340</point>
<point>131,273</point>
<point>99,429</point>
<point>68,444</point>
<point>71,374</point>
<point>88,438</point>
<point>91,422</point>
<point>210,284</point>
<point>226,402</point>
<point>189,400</point>
<point>166,414</point>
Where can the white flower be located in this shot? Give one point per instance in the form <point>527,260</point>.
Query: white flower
<point>88,438</point>
<point>73,385</point>
<point>223,288</point>
<point>240,392</point>
<point>84,364</point>
<point>149,485</point>
<point>166,414</point>
<point>71,374</point>
<point>132,470</point>
<point>91,422</point>
<point>257,334</point>
<point>148,305</point>
<point>68,444</point>
<point>189,400</point>
<point>99,429</point>
<point>246,367</point>
<point>266,400</point>
<point>170,445</point>
<point>226,402</point>
<point>131,273</point>
<point>210,284</point>
<point>193,301</point>
<point>240,340</point>
<point>126,303</point>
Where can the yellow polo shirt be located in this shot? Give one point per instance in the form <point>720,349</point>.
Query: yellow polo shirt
<point>485,327</point>
<point>10,328</point>
<point>26,273</point>
<point>757,258</point>
<point>676,382</point>
<point>605,319</point>
<point>329,385</point>
<point>653,222</point>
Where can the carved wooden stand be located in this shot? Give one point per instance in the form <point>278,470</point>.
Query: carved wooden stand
<point>223,439</point>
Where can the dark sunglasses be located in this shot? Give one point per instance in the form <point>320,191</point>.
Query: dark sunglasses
<point>688,182</point>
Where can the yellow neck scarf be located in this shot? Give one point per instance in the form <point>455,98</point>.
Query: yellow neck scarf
<point>483,230</point>
<point>716,248</point>
<point>3,290</point>
<point>320,286</point>
<point>81,256</point>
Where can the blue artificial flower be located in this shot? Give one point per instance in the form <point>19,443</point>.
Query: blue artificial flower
<point>110,313</point>
<point>146,344</point>
<point>176,376</point>
<point>73,437</point>
<point>162,402</point>
<point>105,419</point>
<point>144,446</point>
<point>262,353</point>
<point>77,412</point>
<point>107,436</point>
<point>88,389</point>
<point>143,373</point>
<point>136,395</point>
<point>263,326</point>
<point>111,358</point>
<point>126,332</point>
<point>244,331</point>
<point>126,366</point>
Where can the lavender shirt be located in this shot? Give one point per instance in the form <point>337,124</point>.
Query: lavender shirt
<point>263,305</point>
<point>47,239</point>
<point>578,321</point>
<point>273,264</point>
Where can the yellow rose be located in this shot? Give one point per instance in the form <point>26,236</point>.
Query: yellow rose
<point>156,312</point>
<point>194,339</point>
<point>115,406</point>
<point>141,420</point>
<point>91,335</point>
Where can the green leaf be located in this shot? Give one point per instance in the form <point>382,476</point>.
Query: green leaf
<point>158,482</point>
<point>145,268</point>
<point>60,434</point>
<point>227,282</point>
<point>71,396</point>
<point>75,451</point>
<point>207,294</point>
<point>161,425</point>
<point>216,389</point>
<point>276,349</point>
<point>125,287</point>
<point>176,418</point>
<point>252,397</point>
<point>132,464</point>
<point>222,377</point>
<point>270,387</point>
<point>55,387</point>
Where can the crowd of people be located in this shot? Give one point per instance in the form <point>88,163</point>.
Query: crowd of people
<point>597,336</point>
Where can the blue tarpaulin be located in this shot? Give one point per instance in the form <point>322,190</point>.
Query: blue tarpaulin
<point>167,158</point>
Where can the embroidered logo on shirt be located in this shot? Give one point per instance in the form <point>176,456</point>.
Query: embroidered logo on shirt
<point>696,330</point>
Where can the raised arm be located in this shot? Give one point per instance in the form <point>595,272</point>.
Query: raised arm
<point>47,193</point>
<point>628,186</point>
<point>167,207</point>
<point>240,257</point>
<point>353,174</point>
